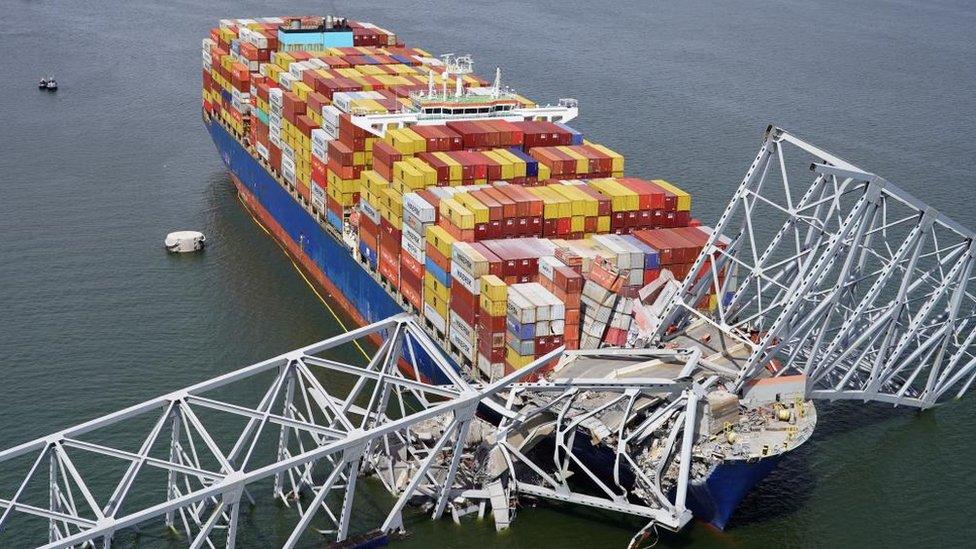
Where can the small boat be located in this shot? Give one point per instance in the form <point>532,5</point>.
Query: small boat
<point>52,84</point>
<point>42,84</point>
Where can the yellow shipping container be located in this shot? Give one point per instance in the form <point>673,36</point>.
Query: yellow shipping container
<point>582,162</point>
<point>405,141</point>
<point>347,72</point>
<point>344,186</point>
<point>544,172</point>
<point>683,199</point>
<point>576,223</point>
<point>371,70</point>
<point>434,289</point>
<point>622,199</point>
<point>479,210</point>
<point>518,165</point>
<point>405,173</point>
<point>516,360</point>
<point>440,239</point>
<point>283,60</point>
<point>616,159</point>
<point>455,173</point>
<point>492,307</point>
<point>429,173</point>
<point>394,203</point>
<point>590,207</point>
<point>603,224</point>
<point>301,89</point>
<point>494,287</point>
<point>462,217</point>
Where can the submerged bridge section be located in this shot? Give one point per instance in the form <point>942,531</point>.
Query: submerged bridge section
<point>836,273</point>
<point>305,428</point>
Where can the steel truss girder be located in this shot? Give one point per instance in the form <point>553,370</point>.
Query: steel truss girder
<point>317,429</point>
<point>557,403</point>
<point>845,278</point>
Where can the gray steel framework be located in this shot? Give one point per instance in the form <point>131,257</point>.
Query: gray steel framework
<point>835,272</point>
<point>320,441</point>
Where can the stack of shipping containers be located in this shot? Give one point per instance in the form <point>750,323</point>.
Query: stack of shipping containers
<point>508,238</point>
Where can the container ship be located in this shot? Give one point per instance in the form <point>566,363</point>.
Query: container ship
<point>401,181</point>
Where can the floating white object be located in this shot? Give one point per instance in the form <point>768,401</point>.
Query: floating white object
<point>184,241</point>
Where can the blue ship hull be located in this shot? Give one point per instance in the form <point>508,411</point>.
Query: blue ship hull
<point>712,500</point>
<point>716,498</point>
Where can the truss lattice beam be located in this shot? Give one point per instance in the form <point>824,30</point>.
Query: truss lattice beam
<point>825,269</point>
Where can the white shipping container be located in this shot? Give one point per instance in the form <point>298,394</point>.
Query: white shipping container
<point>465,279</point>
<point>466,348</point>
<point>492,371</point>
<point>287,164</point>
<point>240,106</point>
<point>418,227</point>
<point>543,328</point>
<point>331,129</point>
<point>463,329</point>
<point>297,69</point>
<point>520,307</point>
<point>287,151</point>
<point>558,327</point>
<point>321,138</point>
<point>287,173</point>
<point>262,150</point>
<point>331,114</point>
<point>286,79</point>
<point>548,266</point>
<point>369,210</point>
<point>431,315</point>
<point>413,250</point>
<point>318,196</point>
<point>320,152</point>
<point>468,258</point>
<point>412,237</point>
<point>419,208</point>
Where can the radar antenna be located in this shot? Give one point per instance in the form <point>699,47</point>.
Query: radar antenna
<point>458,66</point>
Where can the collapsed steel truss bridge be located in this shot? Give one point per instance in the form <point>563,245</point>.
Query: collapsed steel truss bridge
<point>311,444</point>
<point>847,279</point>
<point>838,274</point>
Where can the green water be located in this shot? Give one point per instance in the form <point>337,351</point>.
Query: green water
<point>94,315</point>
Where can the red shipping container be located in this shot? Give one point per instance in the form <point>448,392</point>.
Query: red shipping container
<point>509,207</point>
<point>670,200</point>
<point>389,270</point>
<point>410,265</point>
<point>413,294</point>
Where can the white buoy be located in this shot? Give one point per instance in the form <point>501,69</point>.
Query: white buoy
<point>184,241</point>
